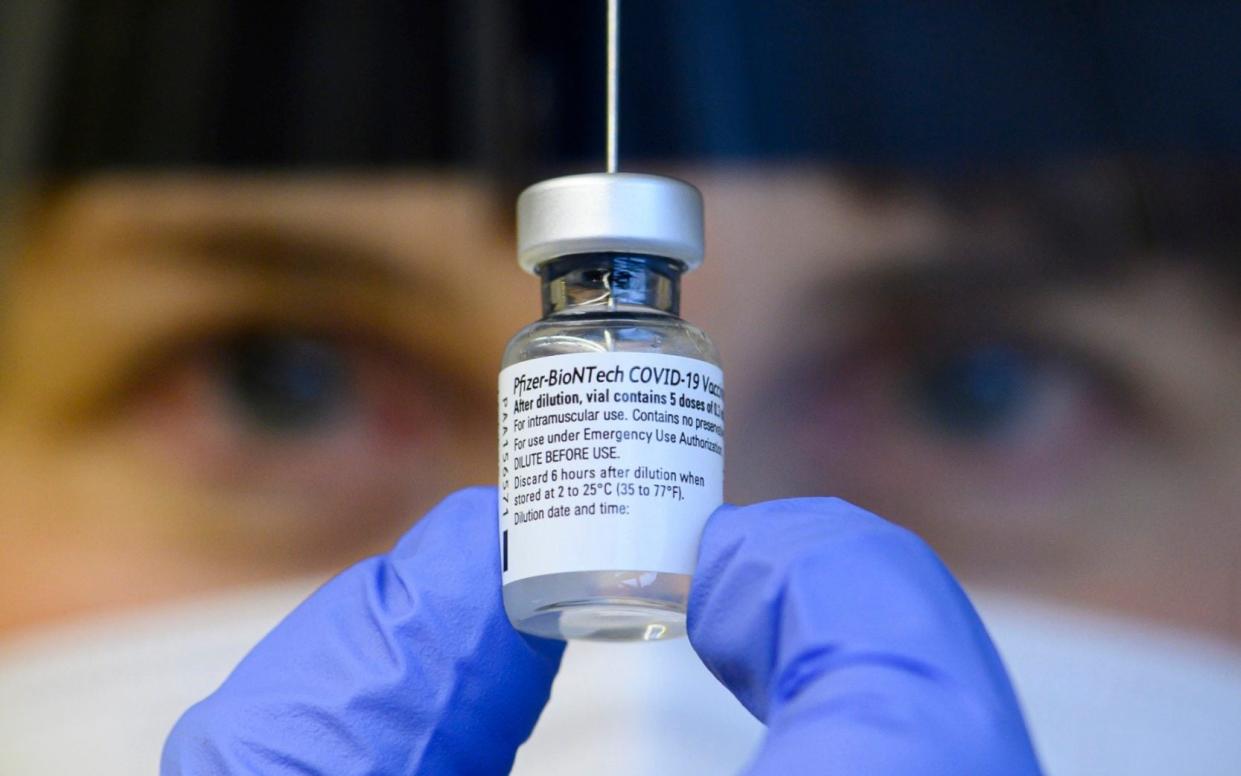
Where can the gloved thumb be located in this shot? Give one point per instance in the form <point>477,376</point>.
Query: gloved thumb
<point>849,638</point>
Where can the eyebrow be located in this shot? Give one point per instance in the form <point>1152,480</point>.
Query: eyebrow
<point>280,249</point>
<point>966,275</point>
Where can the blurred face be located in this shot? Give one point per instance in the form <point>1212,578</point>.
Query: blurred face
<point>209,382</point>
<point>212,382</point>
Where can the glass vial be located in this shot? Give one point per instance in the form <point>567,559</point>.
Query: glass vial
<point>611,413</point>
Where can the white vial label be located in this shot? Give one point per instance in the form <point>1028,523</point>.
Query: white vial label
<point>608,461</point>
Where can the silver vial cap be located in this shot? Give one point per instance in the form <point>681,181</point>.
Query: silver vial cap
<point>619,212</point>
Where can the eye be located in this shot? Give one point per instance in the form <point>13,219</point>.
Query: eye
<point>310,441</point>
<point>286,382</point>
<point>977,390</point>
<point>925,397</point>
<point>275,404</point>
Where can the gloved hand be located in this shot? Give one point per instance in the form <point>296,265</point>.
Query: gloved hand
<point>405,663</point>
<point>851,641</point>
<point>842,632</point>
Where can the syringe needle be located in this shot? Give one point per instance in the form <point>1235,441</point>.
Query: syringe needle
<point>613,86</point>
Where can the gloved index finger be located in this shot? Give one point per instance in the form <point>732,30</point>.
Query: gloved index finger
<point>852,641</point>
<point>404,663</point>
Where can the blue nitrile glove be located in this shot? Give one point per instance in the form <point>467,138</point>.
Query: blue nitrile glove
<point>842,632</point>
<point>403,664</point>
<point>851,641</point>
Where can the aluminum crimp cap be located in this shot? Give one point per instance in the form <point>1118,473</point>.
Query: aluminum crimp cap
<point>619,212</point>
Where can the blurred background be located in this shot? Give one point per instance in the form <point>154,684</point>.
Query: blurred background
<point>973,266</point>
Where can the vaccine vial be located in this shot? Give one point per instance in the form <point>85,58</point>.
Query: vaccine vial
<point>611,413</point>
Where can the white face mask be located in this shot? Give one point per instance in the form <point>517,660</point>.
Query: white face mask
<point>1105,694</point>
<point>100,696</point>
<point>1102,695</point>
